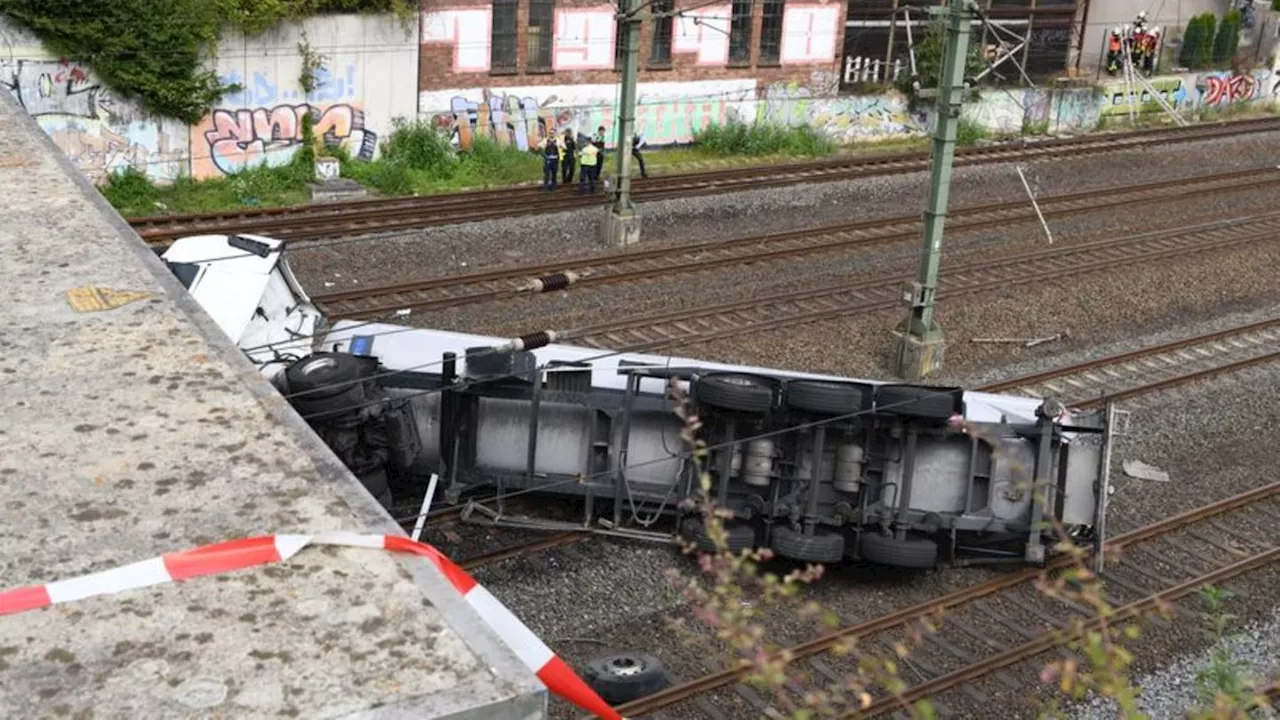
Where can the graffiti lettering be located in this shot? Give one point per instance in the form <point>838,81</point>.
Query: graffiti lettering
<point>260,91</point>
<point>520,119</point>
<point>1224,90</point>
<point>239,139</point>
<point>51,88</point>
<point>95,132</point>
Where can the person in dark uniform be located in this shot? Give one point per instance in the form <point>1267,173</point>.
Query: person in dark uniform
<point>551,150</point>
<point>637,142</point>
<point>570,158</point>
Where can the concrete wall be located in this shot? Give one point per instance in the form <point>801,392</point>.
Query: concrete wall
<point>700,85</point>
<point>97,130</point>
<point>370,78</point>
<point>1170,15</point>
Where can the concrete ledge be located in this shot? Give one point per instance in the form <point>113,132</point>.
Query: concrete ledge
<point>142,430</point>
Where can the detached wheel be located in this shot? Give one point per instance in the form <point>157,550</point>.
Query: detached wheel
<point>736,392</point>
<point>625,677</point>
<point>323,375</point>
<point>913,401</point>
<point>910,552</point>
<point>740,537</point>
<point>824,398</point>
<point>823,546</point>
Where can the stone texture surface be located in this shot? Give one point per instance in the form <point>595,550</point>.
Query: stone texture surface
<point>137,431</point>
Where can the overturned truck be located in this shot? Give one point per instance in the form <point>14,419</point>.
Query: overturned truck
<point>818,468</point>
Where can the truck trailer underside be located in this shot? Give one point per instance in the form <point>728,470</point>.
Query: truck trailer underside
<point>818,468</point>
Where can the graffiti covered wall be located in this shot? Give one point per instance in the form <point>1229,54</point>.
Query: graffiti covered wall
<point>369,78</point>
<point>1191,92</point>
<point>98,132</point>
<point>521,117</point>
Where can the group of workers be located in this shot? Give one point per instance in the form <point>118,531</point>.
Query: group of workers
<point>561,155</point>
<point>1142,43</point>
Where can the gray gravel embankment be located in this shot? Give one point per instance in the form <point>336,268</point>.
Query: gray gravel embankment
<point>1212,437</point>
<point>533,239</point>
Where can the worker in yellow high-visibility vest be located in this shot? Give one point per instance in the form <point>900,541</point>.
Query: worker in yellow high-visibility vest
<point>589,167</point>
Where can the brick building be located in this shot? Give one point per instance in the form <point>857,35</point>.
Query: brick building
<point>517,69</point>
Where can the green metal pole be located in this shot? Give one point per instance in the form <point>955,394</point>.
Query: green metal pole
<point>921,349</point>
<point>630,30</point>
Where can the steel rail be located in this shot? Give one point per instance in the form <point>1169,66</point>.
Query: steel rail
<point>920,611</point>
<point>1047,641</point>
<point>507,283</point>
<point>516,551</point>
<point>384,215</point>
<point>682,327</point>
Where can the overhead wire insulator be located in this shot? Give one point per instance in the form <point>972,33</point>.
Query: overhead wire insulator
<point>551,283</point>
<point>530,341</point>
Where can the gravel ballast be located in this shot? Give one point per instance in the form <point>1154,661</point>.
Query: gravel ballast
<point>1215,438</point>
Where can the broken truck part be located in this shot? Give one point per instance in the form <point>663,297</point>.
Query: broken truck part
<point>818,468</point>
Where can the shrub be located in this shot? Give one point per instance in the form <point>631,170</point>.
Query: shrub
<point>736,138</point>
<point>419,145</point>
<point>1198,42</point>
<point>1227,41</point>
<point>969,132</point>
<point>131,192</point>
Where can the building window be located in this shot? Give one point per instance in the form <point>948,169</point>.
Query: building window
<point>660,49</point>
<point>740,33</point>
<point>502,50</point>
<point>771,32</point>
<point>541,26</point>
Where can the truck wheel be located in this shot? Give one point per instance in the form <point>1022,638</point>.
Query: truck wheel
<point>740,537</point>
<point>323,375</point>
<point>913,401</point>
<point>910,552</point>
<point>822,547</point>
<point>824,398</point>
<point>736,392</point>
<point>376,483</point>
<point>625,677</point>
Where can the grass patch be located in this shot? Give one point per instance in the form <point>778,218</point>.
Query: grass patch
<point>418,159</point>
<point>969,132</point>
<point>763,139</point>
<point>133,194</point>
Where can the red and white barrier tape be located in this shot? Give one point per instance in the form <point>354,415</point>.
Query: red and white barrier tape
<point>251,552</point>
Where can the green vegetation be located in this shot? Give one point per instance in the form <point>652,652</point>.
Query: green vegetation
<point>153,50</point>
<point>969,132</point>
<point>418,159</point>
<point>929,60</point>
<point>1198,42</point>
<point>1227,41</point>
<point>762,139</point>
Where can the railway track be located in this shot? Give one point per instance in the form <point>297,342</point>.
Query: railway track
<point>508,283</point>
<point>654,332</point>
<point>1087,384</point>
<point>363,217</point>
<point>1163,561</point>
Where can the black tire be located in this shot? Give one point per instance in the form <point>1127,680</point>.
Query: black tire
<point>376,483</point>
<point>911,552</point>
<point>625,677</point>
<point>736,392</point>
<point>324,408</point>
<point>823,546</point>
<point>914,401</point>
<point>323,375</point>
<point>824,398</point>
<point>740,537</point>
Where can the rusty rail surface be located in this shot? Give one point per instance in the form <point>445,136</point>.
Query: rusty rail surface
<point>903,618</point>
<point>364,217</point>
<point>666,262</point>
